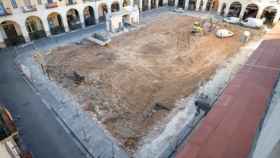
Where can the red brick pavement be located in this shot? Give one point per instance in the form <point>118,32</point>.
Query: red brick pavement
<point>229,129</point>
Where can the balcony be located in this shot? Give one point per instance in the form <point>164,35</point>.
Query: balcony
<point>29,8</point>
<point>5,11</point>
<point>51,5</point>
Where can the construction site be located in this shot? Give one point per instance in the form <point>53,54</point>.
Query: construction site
<point>132,84</point>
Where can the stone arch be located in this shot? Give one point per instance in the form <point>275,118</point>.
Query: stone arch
<point>55,23</point>
<point>89,16</point>
<point>181,4</point>
<point>235,9</point>
<point>35,27</point>
<point>73,19</point>
<point>153,4</point>
<point>160,3</point>
<point>171,2</point>
<point>192,4</point>
<point>115,6</point>
<point>145,5</point>
<point>102,11</point>
<point>269,14</point>
<point>251,11</point>
<point>11,33</point>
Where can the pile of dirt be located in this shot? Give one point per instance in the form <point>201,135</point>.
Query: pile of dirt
<point>134,82</point>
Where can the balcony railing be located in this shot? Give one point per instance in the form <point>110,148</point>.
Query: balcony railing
<point>51,5</point>
<point>29,8</point>
<point>6,12</point>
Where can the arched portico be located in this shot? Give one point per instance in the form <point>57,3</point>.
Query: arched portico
<point>153,4</point>
<point>89,16</point>
<point>171,2</point>
<point>11,33</point>
<point>145,5</point>
<point>55,23</point>
<point>115,6</point>
<point>251,11</point>
<point>35,28</point>
<point>102,11</point>
<point>160,3</point>
<point>192,4</point>
<point>269,13</point>
<point>73,19</point>
<point>235,9</point>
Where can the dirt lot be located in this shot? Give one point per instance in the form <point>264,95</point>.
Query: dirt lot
<point>134,82</point>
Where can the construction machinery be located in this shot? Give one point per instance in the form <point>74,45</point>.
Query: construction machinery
<point>197,28</point>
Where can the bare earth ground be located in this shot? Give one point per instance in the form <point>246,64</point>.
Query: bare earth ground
<point>134,81</point>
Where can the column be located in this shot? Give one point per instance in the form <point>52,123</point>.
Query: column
<point>276,18</point>
<point>259,14</point>
<point>65,24</point>
<point>227,10</point>
<point>220,8</point>
<point>82,19</point>
<point>46,27</point>
<point>140,5</point>
<point>2,37</point>
<point>24,32</point>
<point>149,4</point>
<point>187,4</point>
<point>96,15</point>
<point>176,3</point>
<point>157,1</point>
<point>109,8</point>
<point>242,12</point>
<point>204,5</point>
<point>197,4</point>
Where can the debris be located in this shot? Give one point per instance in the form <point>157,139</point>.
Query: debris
<point>223,33</point>
<point>100,39</point>
<point>232,20</point>
<point>159,106</point>
<point>253,22</point>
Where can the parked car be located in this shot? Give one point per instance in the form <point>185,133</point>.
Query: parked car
<point>253,22</point>
<point>232,20</point>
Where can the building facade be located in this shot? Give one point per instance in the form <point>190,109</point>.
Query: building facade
<point>26,20</point>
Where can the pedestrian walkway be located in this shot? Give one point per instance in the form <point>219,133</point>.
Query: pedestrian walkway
<point>230,128</point>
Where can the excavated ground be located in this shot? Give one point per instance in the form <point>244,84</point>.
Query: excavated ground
<point>134,82</point>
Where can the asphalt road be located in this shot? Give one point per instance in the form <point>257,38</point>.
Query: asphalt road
<point>41,132</point>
